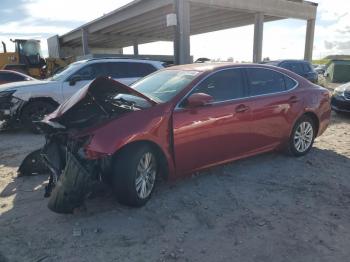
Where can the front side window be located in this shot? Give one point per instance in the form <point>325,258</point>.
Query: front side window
<point>64,73</point>
<point>223,86</point>
<point>91,72</point>
<point>264,81</point>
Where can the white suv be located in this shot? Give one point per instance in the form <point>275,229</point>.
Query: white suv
<point>25,102</point>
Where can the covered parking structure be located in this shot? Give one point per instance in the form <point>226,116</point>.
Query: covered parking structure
<point>146,21</point>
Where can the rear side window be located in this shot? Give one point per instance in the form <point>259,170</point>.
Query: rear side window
<point>307,67</point>
<point>129,69</point>
<point>294,67</point>
<point>264,81</point>
<point>141,69</point>
<point>290,83</point>
<point>11,77</point>
<point>224,85</point>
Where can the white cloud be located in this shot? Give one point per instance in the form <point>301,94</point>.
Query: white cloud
<point>27,27</point>
<point>72,10</point>
<point>281,40</point>
<point>330,10</point>
<point>333,28</point>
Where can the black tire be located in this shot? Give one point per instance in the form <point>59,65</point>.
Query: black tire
<point>72,188</point>
<point>125,166</point>
<point>35,111</point>
<point>292,149</point>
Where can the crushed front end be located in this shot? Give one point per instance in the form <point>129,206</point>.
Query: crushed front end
<point>72,167</point>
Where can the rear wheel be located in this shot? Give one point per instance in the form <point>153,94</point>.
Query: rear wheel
<point>34,112</point>
<point>302,137</point>
<point>134,175</point>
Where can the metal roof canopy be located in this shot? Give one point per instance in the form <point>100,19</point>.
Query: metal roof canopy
<point>144,21</point>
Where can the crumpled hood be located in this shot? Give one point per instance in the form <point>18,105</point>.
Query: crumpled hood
<point>96,91</point>
<point>22,85</point>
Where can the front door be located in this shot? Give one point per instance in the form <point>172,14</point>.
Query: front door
<point>216,132</point>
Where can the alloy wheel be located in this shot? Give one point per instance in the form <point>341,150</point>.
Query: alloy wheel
<point>146,175</point>
<point>303,137</point>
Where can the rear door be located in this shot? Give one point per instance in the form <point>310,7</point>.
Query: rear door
<point>274,103</point>
<point>216,132</point>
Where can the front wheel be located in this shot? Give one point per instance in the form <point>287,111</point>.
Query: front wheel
<point>134,175</point>
<point>34,112</point>
<point>302,137</point>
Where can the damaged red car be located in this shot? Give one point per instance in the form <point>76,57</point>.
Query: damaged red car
<point>172,123</point>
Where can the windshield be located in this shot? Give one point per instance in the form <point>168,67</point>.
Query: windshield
<point>165,85</point>
<point>64,73</point>
<point>30,48</point>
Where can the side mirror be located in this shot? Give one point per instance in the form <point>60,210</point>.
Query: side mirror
<point>198,100</point>
<point>74,80</point>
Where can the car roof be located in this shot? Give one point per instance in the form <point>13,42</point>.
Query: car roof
<point>114,59</point>
<point>203,67</point>
<point>286,60</point>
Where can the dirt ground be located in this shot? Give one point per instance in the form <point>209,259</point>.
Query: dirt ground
<point>266,208</point>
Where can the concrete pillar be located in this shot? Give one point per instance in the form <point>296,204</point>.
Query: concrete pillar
<point>85,42</point>
<point>136,48</point>
<point>182,33</point>
<point>309,43</point>
<point>258,37</point>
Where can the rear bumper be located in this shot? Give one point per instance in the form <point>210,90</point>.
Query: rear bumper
<point>340,104</point>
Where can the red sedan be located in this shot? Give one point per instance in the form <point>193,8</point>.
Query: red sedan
<point>8,76</point>
<point>175,122</point>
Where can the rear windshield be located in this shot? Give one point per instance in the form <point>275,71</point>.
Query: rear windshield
<point>164,85</point>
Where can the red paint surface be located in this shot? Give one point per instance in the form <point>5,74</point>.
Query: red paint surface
<point>196,138</point>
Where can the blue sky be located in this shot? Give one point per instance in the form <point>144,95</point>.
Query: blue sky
<point>40,19</point>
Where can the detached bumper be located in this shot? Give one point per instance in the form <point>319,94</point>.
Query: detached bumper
<point>340,104</point>
<point>72,188</point>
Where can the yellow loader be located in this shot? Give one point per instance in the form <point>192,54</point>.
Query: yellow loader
<point>28,59</point>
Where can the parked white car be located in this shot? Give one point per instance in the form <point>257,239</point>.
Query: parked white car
<point>25,102</point>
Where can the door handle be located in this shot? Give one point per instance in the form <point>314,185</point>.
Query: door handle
<point>242,109</point>
<point>293,100</point>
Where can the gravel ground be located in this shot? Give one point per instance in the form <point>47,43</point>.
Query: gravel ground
<point>266,208</point>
